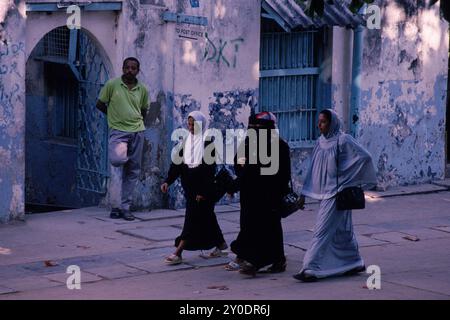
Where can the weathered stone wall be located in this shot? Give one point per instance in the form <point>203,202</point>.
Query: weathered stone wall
<point>404,80</point>
<point>12,109</point>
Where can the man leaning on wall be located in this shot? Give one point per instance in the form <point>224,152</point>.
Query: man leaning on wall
<point>124,100</point>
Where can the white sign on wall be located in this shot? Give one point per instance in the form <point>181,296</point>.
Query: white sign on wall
<point>189,32</point>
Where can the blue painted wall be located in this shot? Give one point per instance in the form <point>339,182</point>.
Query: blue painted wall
<point>404,81</point>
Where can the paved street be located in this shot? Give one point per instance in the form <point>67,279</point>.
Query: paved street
<point>406,232</point>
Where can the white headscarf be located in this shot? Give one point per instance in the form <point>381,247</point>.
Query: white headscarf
<point>335,126</point>
<point>194,147</point>
<point>355,164</point>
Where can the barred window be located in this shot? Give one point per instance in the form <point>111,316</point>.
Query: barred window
<point>289,83</point>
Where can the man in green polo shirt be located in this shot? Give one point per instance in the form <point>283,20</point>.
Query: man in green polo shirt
<point>125,102</point>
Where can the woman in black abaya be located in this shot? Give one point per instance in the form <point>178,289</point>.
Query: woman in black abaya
<point>260,240</point>
<point>201,230</point>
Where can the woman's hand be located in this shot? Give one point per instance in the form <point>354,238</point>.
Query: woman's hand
<point>241,161</point>
<point>199,198</point>
<point>164,187</point>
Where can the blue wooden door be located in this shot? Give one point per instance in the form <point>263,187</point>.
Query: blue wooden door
<point>65,131</point>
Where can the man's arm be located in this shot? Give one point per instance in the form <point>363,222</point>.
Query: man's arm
<point>105,95</point>
<point>102,107</point>
<point>145,104</point>
<point>144,112</point>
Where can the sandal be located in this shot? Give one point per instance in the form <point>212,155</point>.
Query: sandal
<point>216,253</point>
<point>233,266</point>
<point>248,269</point>
<point>173,259</point>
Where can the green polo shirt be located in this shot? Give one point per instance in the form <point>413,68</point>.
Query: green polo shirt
<point>124,105</point>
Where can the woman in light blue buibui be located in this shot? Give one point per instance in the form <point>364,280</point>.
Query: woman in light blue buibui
<point>334,249</point>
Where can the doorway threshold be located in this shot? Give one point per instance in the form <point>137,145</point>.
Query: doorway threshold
<point>32,208</point>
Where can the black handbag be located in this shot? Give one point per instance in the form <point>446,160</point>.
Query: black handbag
<point>350,198</point>
<point>290,203</point>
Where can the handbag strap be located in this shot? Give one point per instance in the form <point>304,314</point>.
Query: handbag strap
<point>337,164</point>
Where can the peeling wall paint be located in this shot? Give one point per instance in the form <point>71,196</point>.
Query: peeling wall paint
<point>404,94</point>
<point>230,110</point>
<point>300,161</point>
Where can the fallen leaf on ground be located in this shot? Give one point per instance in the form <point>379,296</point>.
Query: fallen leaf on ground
<point>219,287</point>
<point>411,238</point>
<point>49,263</point>
<point>5,251</point>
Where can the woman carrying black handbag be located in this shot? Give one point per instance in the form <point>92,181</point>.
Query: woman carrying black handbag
<point>338,163</point>
<point>260,240</point>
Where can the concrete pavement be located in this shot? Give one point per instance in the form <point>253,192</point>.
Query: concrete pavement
<point>404,231</point>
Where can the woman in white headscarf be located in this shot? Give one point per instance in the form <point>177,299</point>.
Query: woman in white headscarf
<point>334,249</point>
<point>201,230</point>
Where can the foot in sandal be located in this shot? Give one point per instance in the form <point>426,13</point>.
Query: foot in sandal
<point>216,253</point>
<point>234,265</point>
<point>173,259</point>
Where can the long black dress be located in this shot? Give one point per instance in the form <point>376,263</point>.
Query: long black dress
<point>201,230</point>
<point>260,240</point>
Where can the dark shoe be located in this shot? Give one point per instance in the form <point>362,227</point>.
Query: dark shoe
<point>248,269</point>
<point>223,246</point>
<point>277,267</point>
<point>115,213</point>
<point>126,215</point>
<point>355,271</point>
<point>304,277</point>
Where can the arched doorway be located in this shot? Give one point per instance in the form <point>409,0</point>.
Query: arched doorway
<point>66,137</point>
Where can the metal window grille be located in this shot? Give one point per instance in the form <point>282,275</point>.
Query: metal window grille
<point>56,43</point>
<point>289,83</point>
<point>68,103</point>
<point>55,51</point>
<point>63,87</point>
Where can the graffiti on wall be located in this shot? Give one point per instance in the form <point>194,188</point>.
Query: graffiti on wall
<point>7,50</point>
<point>217,51</point>
<point>11,125</point>
<point>9,89</point>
